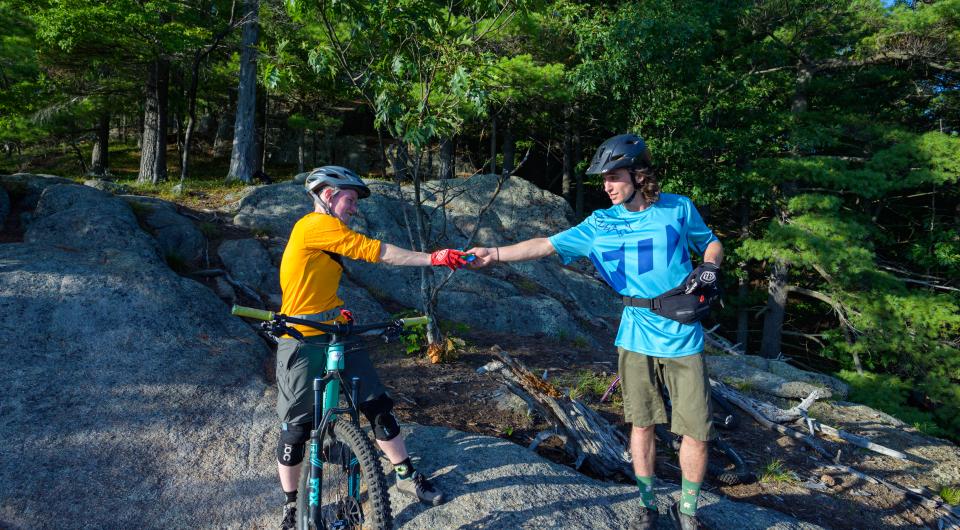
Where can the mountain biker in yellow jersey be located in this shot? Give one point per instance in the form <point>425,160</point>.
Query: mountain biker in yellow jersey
<point>310,274</point>
<point>639,246</point>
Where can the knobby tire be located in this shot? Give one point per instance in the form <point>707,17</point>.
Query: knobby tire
<point>348,442</point>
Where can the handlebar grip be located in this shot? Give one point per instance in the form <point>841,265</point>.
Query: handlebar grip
<point>251,312</point>
<point>415,321</point>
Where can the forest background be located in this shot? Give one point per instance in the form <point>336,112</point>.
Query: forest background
<point>818,137</point>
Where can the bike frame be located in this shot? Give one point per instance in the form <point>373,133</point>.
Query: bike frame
<point>326,398</point>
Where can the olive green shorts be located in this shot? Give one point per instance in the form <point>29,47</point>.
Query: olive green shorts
<point>687,386</point>
<point>299,363</point>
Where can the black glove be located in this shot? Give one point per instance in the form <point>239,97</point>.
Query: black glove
<point>704,277</point>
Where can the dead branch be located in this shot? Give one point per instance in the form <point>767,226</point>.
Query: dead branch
<point>714,340</point>
<point>753,407</point>
<point>210,273</point>
<point>855,439</point>
<point>594,441</point>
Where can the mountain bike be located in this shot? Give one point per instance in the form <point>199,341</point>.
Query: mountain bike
<point>344,481</point>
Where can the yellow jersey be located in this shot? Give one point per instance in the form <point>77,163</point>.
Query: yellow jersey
<point>309,277</point>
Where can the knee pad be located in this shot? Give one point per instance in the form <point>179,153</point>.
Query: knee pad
<point>379,413</point>
<point>293,439</point>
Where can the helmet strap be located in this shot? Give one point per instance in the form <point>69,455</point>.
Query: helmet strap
<point>636,187</point>
<point>324,204</point>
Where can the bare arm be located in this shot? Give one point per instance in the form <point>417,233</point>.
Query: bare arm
<point>526,250</point>
<point>714,253</point>
<point>394,255</point>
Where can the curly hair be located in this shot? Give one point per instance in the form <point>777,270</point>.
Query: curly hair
<point>645,178</point>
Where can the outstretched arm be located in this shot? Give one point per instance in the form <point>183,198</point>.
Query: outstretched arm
<point>448,257</point>
<point>523,251</point>
<point>394,255</point>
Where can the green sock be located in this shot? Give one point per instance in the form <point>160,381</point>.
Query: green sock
<point>689,492</point>
<point>646,492</point>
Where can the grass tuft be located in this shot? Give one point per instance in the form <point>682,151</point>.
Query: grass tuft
<point>776,472</point>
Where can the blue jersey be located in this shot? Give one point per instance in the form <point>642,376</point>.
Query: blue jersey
<point>643,254</point>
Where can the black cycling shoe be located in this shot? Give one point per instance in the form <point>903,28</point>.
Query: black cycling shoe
<point>647,519</point>
<point>420,487</point>
<point>682,521</point>
<point>289,516</point>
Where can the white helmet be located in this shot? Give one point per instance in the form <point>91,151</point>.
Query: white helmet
<point>337,177</point>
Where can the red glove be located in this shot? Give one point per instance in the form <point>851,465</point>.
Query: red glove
<point>448,257</point>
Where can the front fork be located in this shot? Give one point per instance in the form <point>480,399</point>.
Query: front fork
<point>326,390</point>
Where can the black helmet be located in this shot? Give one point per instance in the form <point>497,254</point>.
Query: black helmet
<point>337,177</point>
<point>621,151</point>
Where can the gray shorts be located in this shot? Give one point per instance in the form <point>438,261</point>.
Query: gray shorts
<point>298,364</point>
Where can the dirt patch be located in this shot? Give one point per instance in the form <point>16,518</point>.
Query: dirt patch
<point>455,396</point>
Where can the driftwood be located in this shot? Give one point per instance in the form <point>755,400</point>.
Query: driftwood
<point>594,441</point>
<point>754,407</point>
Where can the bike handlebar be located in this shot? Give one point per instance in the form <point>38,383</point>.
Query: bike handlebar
<point>339,329</point>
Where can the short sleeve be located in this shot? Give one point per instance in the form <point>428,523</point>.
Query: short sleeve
<point>575,242</point>
<point>699,234</point>
<point>331,235</point>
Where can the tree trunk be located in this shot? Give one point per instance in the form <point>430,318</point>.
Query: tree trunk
<point>493,144</point>
<point>243,158</point>
<point>777,294</point>
<point>446,159</point>
<point>578,208</point>
<point>776,310</point>
<point>301,150</point>
<point>567,186</point>
<point>509,150</point>
<point>191,115</point>
<point>743,283</point>
<point>153,157</point>
<point>100,159</point>
<point>263,138</point>
<point>426,273</point>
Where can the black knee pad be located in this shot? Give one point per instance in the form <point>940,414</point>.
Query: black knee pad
<point>293,439</point>
<point>378,413</point>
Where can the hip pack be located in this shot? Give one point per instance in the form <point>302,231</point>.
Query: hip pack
<point>677,305</point>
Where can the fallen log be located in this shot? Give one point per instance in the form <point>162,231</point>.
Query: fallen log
<point>594,442</point>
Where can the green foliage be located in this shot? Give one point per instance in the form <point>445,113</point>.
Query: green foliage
<point>586,384</point>
<point>950,495</point>
<point>413,338</point>
<point>889,393</point>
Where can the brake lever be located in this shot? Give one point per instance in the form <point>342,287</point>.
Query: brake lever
<point>392,332</point>
<point>279,329</point>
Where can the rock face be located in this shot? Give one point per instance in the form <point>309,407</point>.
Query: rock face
<point>178,237</point>
<point>128,397</point>
<point>4,207</point>
<point>776,378</point>
<point>534,298</point>
<point>250,264</point>
<point>27,187</point>
<point>493,483</point>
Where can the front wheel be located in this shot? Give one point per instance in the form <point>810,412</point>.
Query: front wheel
<point>353,492</point>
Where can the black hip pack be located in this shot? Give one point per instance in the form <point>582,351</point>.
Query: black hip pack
<point>677,305</point>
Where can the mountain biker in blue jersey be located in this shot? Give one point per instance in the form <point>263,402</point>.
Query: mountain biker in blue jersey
<point>640,247</point>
